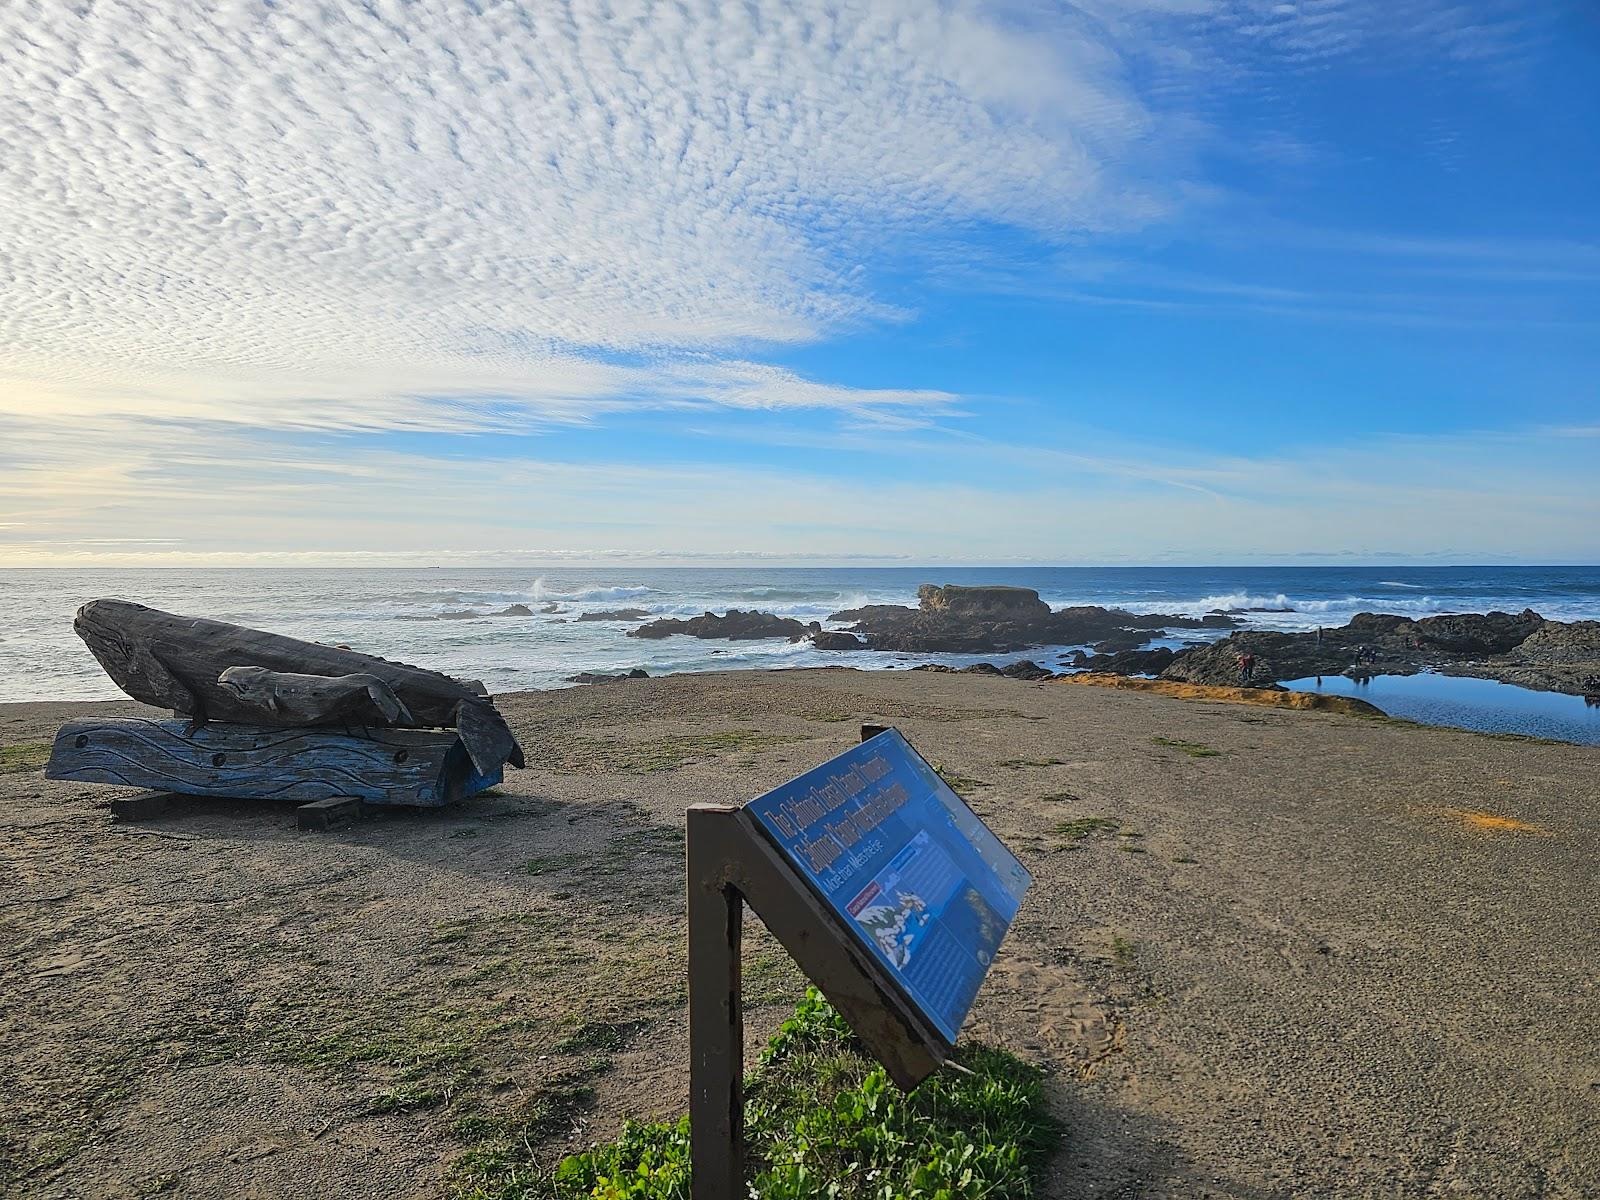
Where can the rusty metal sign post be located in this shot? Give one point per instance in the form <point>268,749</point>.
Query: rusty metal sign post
<point>734,857</point>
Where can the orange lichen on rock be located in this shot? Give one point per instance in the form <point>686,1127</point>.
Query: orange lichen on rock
<point>1489,821</point>
<point>1270,697</point>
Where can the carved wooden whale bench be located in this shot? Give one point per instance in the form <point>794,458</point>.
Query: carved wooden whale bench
<point>276,718</point>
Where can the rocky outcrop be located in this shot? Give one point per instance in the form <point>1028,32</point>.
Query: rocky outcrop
<point>735,625</point>
<point>1520,648</point>
<point>1125,662</point>
<point>467,614</point>
<point>983,603</point>
<point>989,620</point>
<point>593,677</point>
<point>615,614</point>
<point>1025,670</point>
<point>1476,634</point>
<point>829,639</point>
<point>1557,656</point>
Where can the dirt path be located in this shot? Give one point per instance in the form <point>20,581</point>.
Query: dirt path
<point>1269,953</point>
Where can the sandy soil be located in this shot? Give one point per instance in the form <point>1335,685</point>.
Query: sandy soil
<point>1269,953</point>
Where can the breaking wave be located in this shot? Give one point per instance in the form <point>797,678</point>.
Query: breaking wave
<point>1242,602</point>
<point>541,592</point>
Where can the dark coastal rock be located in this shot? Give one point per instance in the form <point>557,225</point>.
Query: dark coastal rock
<point>1558,656</point>
<point>735,625</point>
<point>615,614</point>
<point>1018,670</point>
<point>1478,633</point>
<point>1120,642</point>
<point>1127,662</point>
<point>1011,603</point>
<point>987,620</point>
<point>1026,670</point>
<point>467,614</point>
<point>1521,648</point>
<point>833,640</point>
<point>593,677</point>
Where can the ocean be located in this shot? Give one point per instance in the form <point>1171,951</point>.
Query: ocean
<point>396,612</point>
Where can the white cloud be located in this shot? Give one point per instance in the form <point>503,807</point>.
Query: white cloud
<point>340,204</point>
<point>341,215</point>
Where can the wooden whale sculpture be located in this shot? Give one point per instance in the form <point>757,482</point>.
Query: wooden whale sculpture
<point>179,663</point>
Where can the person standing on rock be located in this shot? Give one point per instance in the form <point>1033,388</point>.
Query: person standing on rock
<point>1247,666</point>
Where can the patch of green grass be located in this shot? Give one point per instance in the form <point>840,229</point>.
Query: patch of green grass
<point>823,1121</point>
<point>1122,952</point>
<point>30,756</point>
<point>830,715</point>
<point>421,1046</point>
<point>1185,859</point>
<point>1017,764</point>
<point>503,1163</point>
<point>962,785</point>
<point>550,864</point>
<point>464,833</point>
<point>594,1036</point>
<point>1192,749</point>
<point>406,1097</point>
<point>1061,797</point>
<point>771,977</point>
<point>1131,848</point>
<point>1082,827</point>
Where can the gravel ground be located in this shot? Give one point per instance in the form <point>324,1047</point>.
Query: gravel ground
<point>1268,953</point>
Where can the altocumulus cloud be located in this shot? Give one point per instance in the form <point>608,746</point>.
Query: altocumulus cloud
<point>358,215</point>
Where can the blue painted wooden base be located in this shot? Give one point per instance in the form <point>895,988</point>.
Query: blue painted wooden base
<point>381,766</point>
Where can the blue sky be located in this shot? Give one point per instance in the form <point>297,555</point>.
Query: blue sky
<point>1126,281</point>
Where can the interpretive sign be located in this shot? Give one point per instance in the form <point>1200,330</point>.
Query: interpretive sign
<point>889,892</point>
<point>907,868</point>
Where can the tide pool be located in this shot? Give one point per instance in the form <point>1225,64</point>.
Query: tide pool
<point>1480,704</point>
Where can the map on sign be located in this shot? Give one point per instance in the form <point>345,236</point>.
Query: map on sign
<point>906,865</point>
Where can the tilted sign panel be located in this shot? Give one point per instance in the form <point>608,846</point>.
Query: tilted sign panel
<point>910,870</point>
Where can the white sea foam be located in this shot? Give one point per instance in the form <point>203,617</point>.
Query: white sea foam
<point>544,594</point>
<point>1240,601</point>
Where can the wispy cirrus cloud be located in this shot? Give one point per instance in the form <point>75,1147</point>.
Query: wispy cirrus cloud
<point>258,202</point>
<point>348,207</point>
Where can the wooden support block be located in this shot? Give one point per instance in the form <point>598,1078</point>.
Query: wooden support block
<point>324,814</point>
<point>141,807</point>
<point>868,732</point>
<point>249,762</point>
